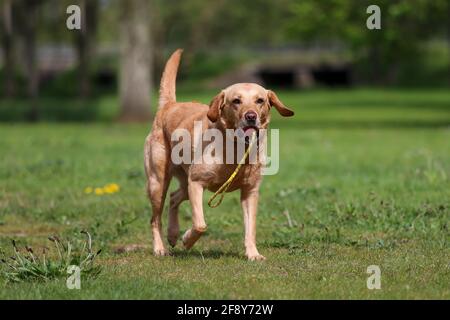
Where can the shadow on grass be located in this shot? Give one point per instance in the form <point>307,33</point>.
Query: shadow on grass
<point>205,254</point>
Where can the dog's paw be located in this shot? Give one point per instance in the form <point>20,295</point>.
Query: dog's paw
<point>172,240</point>
<point>190,237</point>
<point>161,252</point>
<point>256,257</point>
<point>187,240</point>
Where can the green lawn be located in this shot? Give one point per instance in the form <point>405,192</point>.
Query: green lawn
<point>364,175</point>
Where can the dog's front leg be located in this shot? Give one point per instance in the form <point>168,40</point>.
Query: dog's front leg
<point>195,190</point>
<point>249,202</point>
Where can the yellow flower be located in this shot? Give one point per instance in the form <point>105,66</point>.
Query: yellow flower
<point>88,190</point>
<point>111,188</point>
<point>107,189</point>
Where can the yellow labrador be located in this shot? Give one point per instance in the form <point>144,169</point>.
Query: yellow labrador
<point>244,106</point>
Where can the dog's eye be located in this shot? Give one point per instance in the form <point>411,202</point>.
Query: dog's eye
<point>260,101</point>
<point>237,101</point>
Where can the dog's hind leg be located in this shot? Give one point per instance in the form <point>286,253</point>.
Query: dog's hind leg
<point>176,198</point>
<point>157,169</point>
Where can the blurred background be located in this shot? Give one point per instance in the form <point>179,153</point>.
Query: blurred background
<point>110,69</point>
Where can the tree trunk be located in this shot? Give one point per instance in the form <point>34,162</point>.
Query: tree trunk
<point>29,26</point>
<point>8,49</point>
<point>135,64</point>
<point>84,44</point>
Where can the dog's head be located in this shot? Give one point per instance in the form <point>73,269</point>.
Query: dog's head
<point>245,106</point>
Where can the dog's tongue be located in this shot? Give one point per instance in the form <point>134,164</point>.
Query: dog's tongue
<point>248,131</point>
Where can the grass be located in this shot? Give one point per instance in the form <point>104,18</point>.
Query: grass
<point>364,179</point>
<point>28,265</point>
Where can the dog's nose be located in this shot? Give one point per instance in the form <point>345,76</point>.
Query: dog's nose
<point>251,116</point>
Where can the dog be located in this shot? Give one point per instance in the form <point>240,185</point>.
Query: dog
<point>244,106</point>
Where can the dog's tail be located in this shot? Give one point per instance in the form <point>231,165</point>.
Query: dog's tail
<point>168,79</point>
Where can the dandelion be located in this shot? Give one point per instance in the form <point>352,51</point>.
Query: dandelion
<point>88,190</point>
<point>111,188</point>
<point>107,189</point>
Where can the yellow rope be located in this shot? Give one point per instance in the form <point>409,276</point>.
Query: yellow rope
<point>227,183</point>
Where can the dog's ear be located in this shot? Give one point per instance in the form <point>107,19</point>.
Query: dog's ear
<point>281,108</point>
<point>215,106</point>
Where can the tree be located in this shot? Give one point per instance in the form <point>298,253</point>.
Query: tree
<point>405,26</point>
<point>135,60</point>
<point>8,48</point>
<point>84,40</point>
<point>29,22</point>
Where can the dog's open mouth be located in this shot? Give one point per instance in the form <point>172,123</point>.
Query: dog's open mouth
<point>248,133</point>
